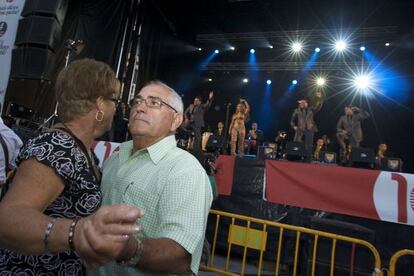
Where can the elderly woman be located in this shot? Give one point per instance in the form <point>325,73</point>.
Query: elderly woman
<point>50,217</point>
<point>237,128</point>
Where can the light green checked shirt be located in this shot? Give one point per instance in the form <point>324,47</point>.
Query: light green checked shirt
<point>173,189</point>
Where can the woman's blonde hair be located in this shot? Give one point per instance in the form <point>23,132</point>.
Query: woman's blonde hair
<point>80,84</point>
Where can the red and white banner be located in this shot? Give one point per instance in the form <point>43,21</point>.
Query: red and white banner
<point>379,195</point>
<point>9,20</point>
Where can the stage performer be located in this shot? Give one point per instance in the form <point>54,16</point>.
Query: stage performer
<point>302,120</point>
<point>237,128</point>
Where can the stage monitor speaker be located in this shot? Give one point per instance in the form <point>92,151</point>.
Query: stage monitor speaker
<point>215,143</point>
<point>362,158</point>
<point>296,151</point>
<point>38,31</point>
<point>363,259</point>
<point>264,152</point>
<point>50,8</point>
<point>391,164</point>
<point>32,63</point>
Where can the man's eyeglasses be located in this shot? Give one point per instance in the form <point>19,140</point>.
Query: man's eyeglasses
<point>152,102</point>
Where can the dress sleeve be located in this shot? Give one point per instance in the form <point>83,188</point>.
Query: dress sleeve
<point>57,150</point>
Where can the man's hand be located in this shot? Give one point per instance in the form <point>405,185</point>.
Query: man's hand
<point>102,237</point>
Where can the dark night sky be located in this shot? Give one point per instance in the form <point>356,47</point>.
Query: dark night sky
<point>392,119</point>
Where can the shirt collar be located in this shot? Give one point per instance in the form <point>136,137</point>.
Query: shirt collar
<point>156,151</point>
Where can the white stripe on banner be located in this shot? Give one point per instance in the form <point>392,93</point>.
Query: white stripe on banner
<point>10,11</point>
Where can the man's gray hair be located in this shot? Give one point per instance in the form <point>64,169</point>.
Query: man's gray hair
<point>175,99</point>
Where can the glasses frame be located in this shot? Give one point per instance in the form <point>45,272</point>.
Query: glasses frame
<point>153,98</point>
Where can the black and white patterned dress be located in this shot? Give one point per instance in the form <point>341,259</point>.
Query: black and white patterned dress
<point>81,197</point>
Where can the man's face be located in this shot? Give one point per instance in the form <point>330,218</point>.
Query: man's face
<point>319,142</point>
<point>383,147</point>
<point>153,122</point>
<point>303,104</point>
<point>197,101</point>
<point>348,111</point>
<point>220,125</point>
<point>254,126</point>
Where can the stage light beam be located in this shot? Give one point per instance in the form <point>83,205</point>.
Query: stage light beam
<point>252,51</point>
<point>268,82</point>
<point>216,51</point>
<point>294,82</point>
<point>296,47</point>
<point>363,82</point>
<point>317,49</point>
<point>232,48</point>
<point>362,48</point>
<point>320,81</point>
<point>245,80</point>
<point>340,46</point>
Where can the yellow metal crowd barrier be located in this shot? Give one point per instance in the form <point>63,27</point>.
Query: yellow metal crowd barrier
<point>249,238</point>
<point>394,259</point>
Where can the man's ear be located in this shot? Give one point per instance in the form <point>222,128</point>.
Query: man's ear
<point>178,120</point>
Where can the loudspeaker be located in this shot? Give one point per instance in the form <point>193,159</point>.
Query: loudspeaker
<point>38,30</point>
<point>362,158</point>
<point>49,8</point>
<point>32,63</point>
<point>362,258</point>
<point>391,164</point>
<point>266,153</point>
<point>296,151</point>
<point>214,143</point>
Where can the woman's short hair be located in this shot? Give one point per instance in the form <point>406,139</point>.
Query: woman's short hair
<point>80,84</point>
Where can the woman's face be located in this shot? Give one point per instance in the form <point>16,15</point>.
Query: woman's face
<point>239,107</point>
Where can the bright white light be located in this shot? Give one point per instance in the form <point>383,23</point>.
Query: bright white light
<point>232,48</point>
<point>200,49</point>
<point>210,79</point>
<point>387,44</point>
<point>269,82</point>
<point>362,48</point>
<point>362,82</point>
<point>340,45</point>
<point>245,80</point>
<point>296,47</point>
<point>252,51</point>
<point>216,51</point>
<point>271,46</point>
<point>294,82</point>
<point>317,50</point>
<point>320,81</point>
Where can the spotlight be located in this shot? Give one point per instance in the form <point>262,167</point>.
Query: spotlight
<point>340,45</point>
<point>269,82</point>
<point>210,79</point>
<point>232,48</point>
<point>320,81</point>
<point>271,46</point>
<point>362,82</point>
<point>294,82</point>
<point>252,51</point>
<point>245,80</point>
<point>200,49</point>
<point>317,50</point>
<point>362,48</point>
<point>387,44</point>
<point>296,47</point>
<point>216,51</point>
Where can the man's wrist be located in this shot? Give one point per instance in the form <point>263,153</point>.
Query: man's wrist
<point>133,252</point>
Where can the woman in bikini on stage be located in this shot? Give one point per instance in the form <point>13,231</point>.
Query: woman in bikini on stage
<point>237,128</point>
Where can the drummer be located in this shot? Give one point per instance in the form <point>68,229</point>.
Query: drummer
<point>255,138</point>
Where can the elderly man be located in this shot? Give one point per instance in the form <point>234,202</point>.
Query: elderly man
<point>169,184</point>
